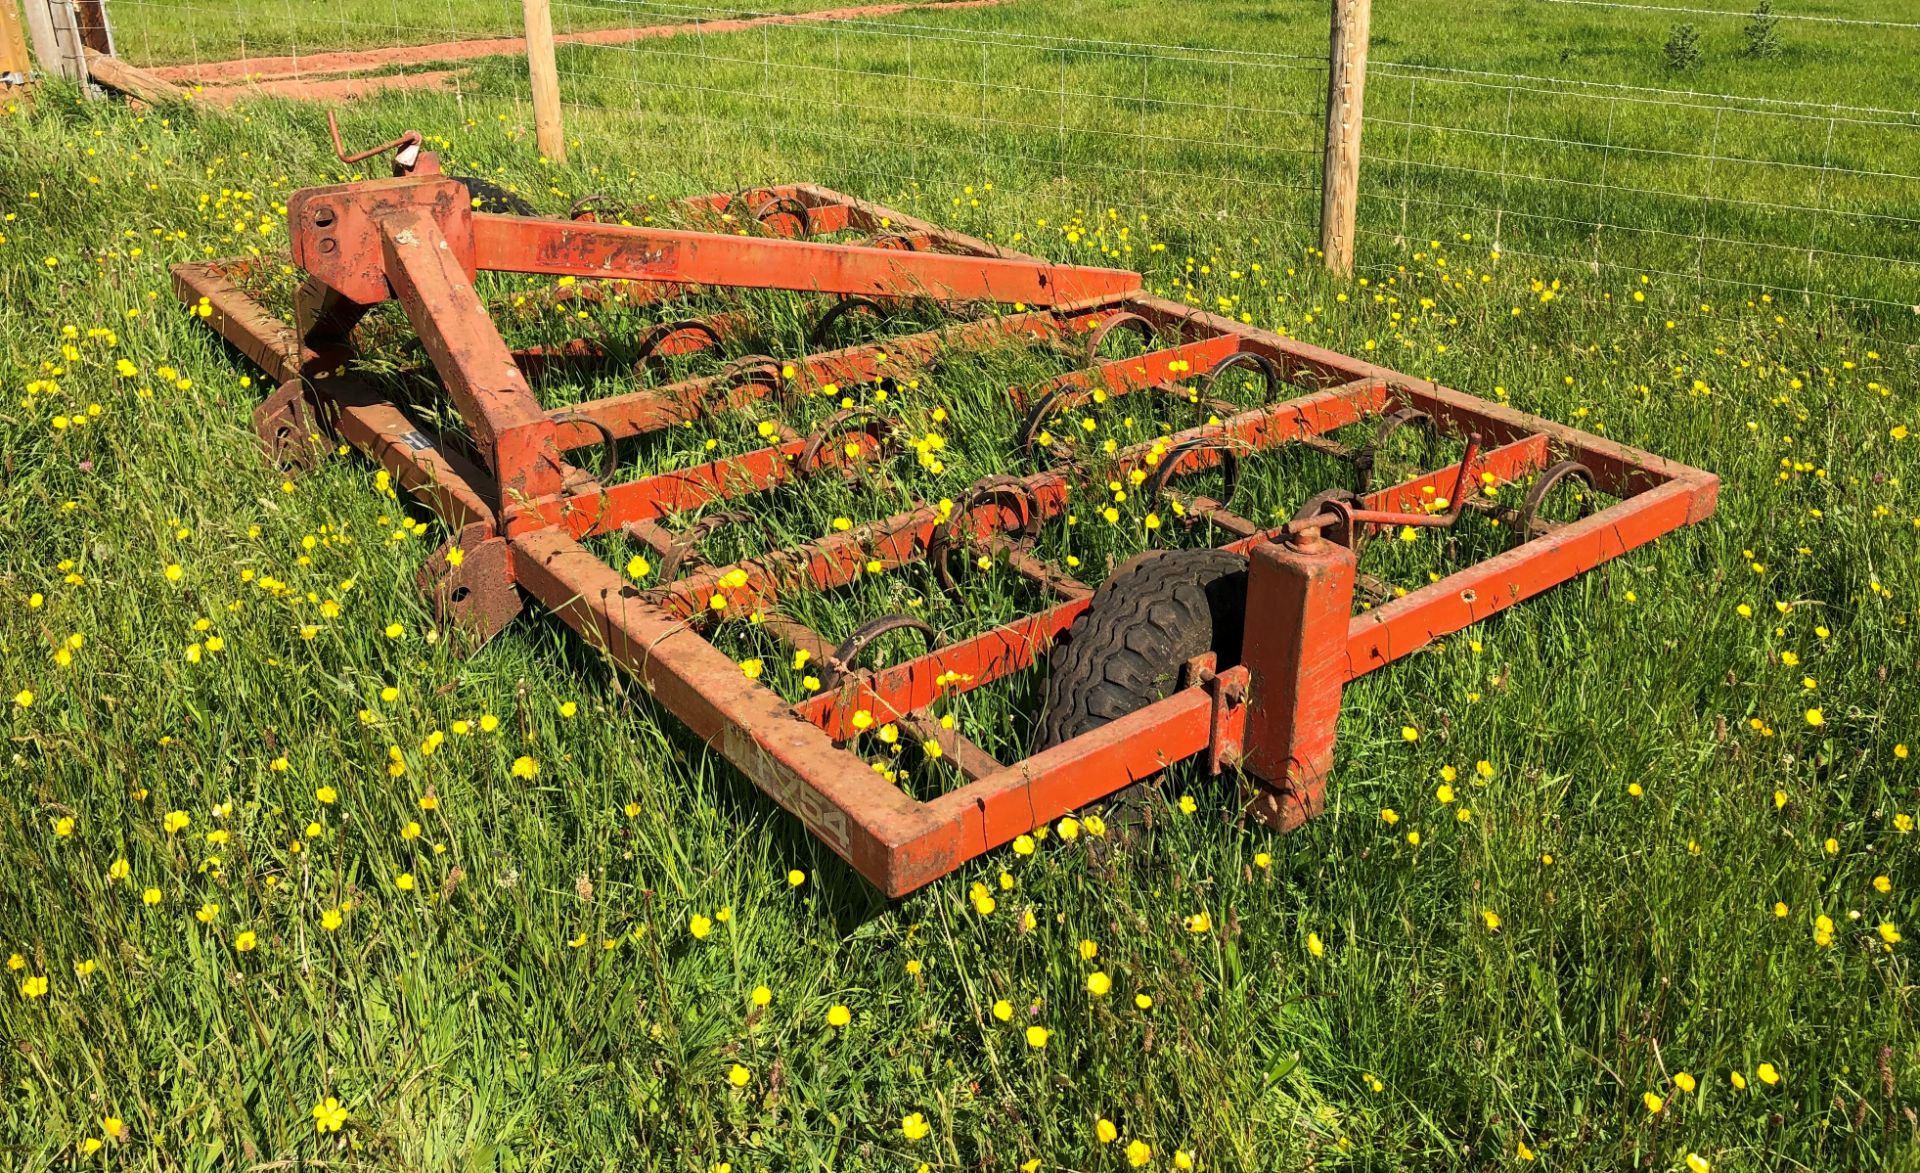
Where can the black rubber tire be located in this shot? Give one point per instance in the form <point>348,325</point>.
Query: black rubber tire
<point>1149,618</point>
<point>492,198</point>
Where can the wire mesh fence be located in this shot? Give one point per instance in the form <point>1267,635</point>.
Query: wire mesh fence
<point>1732,193</point>
<point>1724,191</point>
<point>1640,9</point>
<point>897,107</point>
<point>1719,190</point>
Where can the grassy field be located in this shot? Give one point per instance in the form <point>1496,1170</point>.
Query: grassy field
<point>1639,890</point>
<point>1820,63</point>
<point>1557,132</point>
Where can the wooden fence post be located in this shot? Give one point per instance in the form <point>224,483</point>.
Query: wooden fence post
<point>56,39</point>
<point>1346,92</point>
<point>46,38</point>
<point>548,132</point>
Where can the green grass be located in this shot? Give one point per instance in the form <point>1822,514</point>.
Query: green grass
<point>460,1024</point>
<point>1555,132</point>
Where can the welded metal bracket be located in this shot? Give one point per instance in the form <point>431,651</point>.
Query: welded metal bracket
<point>292,436</point>
<point>469,581</point>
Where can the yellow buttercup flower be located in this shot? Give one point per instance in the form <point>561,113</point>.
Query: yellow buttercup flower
<point>329,1115</point>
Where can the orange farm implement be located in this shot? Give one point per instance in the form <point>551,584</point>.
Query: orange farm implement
<point>1236,654</point>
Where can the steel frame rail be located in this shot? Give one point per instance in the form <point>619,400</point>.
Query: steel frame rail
<point>520,511</point>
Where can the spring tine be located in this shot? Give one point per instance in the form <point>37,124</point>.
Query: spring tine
<point>841,658</point>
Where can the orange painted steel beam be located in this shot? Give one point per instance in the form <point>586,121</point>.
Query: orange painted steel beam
<point>907,687</point>
<point>898,843</point>
<point>1484,589</point>
<point>636,412</point>
<point>1619,470</point>
<point>274,346</point>
<point>859,815</point>
<point>480,374</point>
<point>1119,377</point>
<point>604,511</point>
<point>983,815</point>
<point>452,486</point>
<point>520,244</point>
<point>1302,591</point>
<point>835,561</point>
<point>459,492</point>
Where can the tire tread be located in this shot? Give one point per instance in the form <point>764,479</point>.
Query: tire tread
<point>1149,617</point>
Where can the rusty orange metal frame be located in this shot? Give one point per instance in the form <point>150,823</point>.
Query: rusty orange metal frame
<point>520,511</point>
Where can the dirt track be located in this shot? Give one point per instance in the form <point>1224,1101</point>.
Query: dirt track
<point>318,76</point>
<point>332,89</point>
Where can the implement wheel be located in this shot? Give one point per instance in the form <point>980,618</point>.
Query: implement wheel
<point>1149,618</point>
